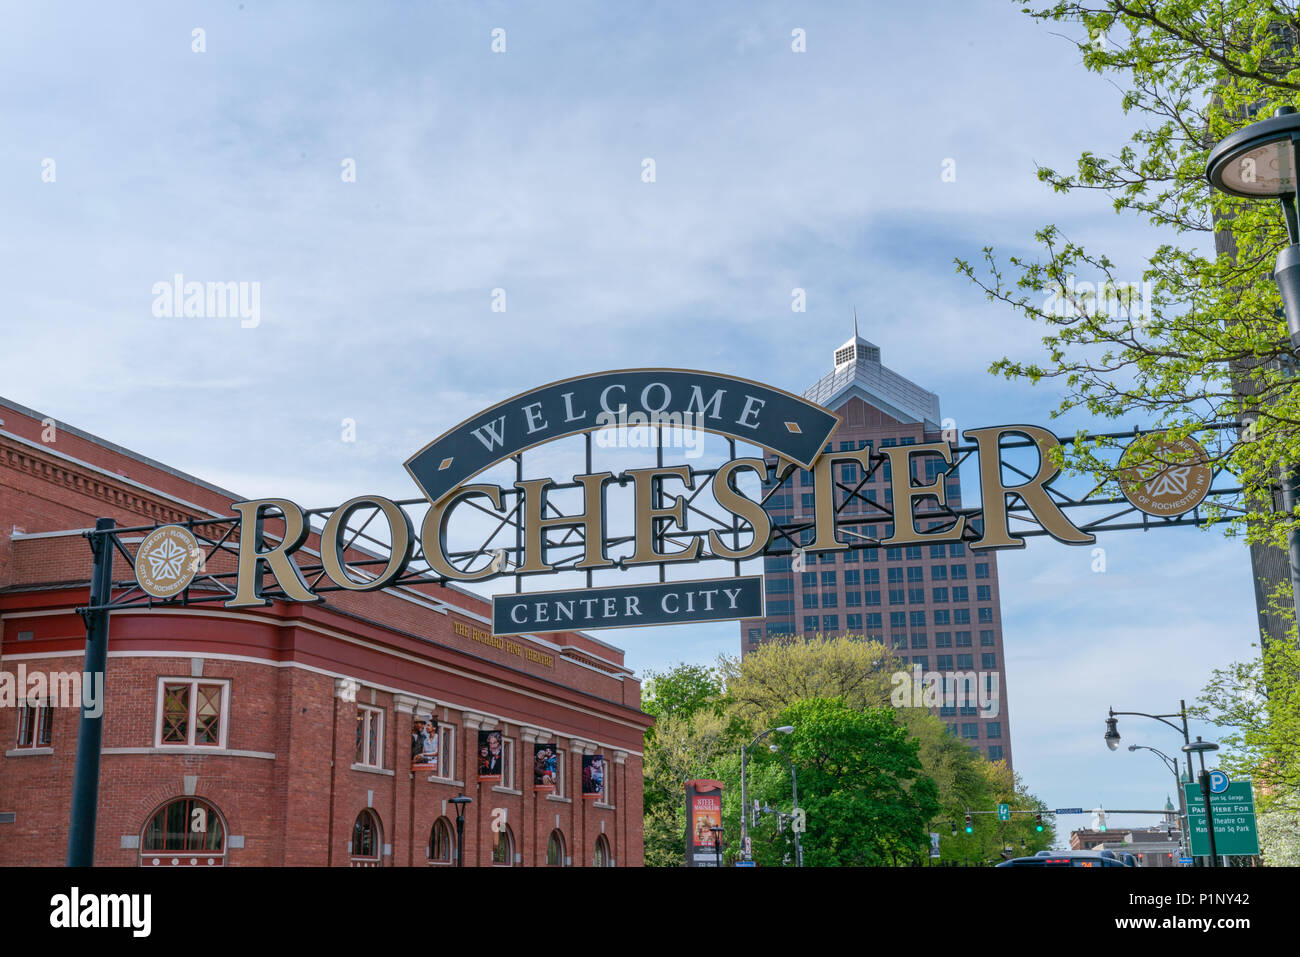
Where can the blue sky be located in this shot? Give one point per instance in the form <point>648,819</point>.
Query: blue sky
<point>522,171</point>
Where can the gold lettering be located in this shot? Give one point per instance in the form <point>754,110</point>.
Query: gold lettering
<point>729,497</point>
<point>433,532</point>
<point>993,493</point>
<point>647,516</point>
<point>331,550</point>
<point>824,537</point>
<point>900,464</point>
<point>592,520</point>
<point>248,582</point>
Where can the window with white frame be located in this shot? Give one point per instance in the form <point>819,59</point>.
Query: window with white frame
<point>446,751</point>
<point>507,763</point>
<point>35,726</point>
<point>192,712</point>
<point>370,737</point>
<point>607,784</point>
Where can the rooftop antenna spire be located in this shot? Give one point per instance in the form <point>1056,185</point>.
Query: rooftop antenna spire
<point>855,322</point>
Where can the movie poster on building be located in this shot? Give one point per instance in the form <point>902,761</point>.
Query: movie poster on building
<point>593,776</point>
<point>424,745</point>
<point>546,766</point>
<point>489,756</point>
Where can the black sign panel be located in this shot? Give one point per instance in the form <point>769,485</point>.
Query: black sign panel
<point>794,428</point>
<point>628,606</point>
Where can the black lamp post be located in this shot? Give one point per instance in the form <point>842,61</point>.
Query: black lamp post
<point>1112,728</point>
<point>1200,747</point>
<point>460,801</point>
<point>1172,765</point>
<point>1259,162</point>
<point>717,843</point>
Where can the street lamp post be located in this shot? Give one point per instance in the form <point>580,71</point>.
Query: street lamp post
<point>1172,765</point>
<point>1259,162</point>
<point>794,790</point>
<point>460,801</point>
<point>717,843</point>
<point>1200,747</point>
<point>744,793</point>
<point>1112,728</point>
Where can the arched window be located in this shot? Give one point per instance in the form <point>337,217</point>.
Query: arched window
<point>367,841</point>
<point>442,846</point>
<point>503,850</point>
<point>555,850</point>
<point>602,857</point>
<point>184,832</point>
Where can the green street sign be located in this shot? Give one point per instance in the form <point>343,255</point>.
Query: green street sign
<point>1234,820</point>
<point>1004,812</point>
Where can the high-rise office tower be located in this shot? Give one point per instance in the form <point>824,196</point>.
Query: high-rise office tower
<point>936,606</point>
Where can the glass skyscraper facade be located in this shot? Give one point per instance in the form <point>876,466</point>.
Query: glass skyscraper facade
<point>935,606</point>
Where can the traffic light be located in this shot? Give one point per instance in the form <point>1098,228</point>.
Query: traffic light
<point>1038,822</point>
<point>954,828</point>
<point>969,828</point>
<point>1101,820</point>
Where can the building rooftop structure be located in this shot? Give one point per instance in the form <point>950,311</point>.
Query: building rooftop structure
<point>858,372</point>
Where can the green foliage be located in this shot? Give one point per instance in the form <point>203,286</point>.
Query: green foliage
<point>1207,343</point>
<point>874,780</point>
<point>680,691</point>
<point>868,801</point>
<point>1256,704</point>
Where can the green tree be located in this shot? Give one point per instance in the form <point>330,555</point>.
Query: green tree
<point>867,800</point>
<point>689,738</point>
<point>774,676</point>
<point>680,691</point>
<point>1203,340</point>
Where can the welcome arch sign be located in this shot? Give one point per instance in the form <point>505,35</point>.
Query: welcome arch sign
<point>613,520</point>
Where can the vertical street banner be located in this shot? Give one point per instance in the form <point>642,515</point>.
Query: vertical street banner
<point>424,745</point>
<point>593,776</point>
<point>489,756</point>
<point>703,812</point>
<point>545,767</point>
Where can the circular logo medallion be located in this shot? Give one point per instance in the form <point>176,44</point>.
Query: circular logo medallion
<point>1174,478</point>
<point>167,560</point>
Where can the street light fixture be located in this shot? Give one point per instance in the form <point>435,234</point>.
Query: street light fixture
<point>1200,747</point>
<point>1259,162</point>
<point>1112,727</point>
<point>794,790</point>
<point>460,800</point>
<point>1172,765</point>
<point>744,792</point>
<point>1112,732</point>
<point>717,843</point>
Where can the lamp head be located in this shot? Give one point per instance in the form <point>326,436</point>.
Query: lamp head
<point>1112,733</point>
<point>1259,161</point>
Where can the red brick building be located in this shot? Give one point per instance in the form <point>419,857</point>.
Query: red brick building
<point>282,735</point>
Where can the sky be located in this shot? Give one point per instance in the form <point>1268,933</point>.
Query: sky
<point>136,149</point>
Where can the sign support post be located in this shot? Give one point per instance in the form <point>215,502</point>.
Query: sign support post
<point>90,734</point>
